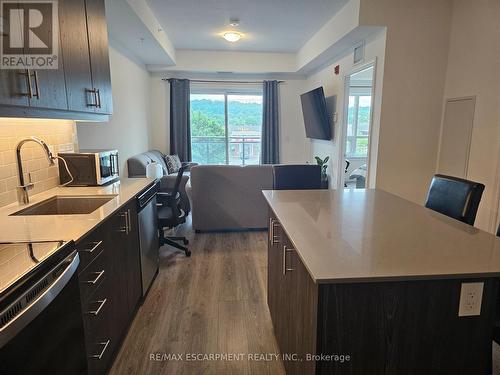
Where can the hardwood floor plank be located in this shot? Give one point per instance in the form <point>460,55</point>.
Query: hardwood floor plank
<point>233,336</point>
<point>213,302</point>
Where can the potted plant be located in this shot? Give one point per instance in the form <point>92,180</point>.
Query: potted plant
<point>323,163</point>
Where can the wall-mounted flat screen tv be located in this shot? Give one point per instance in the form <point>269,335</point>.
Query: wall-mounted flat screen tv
<point>315,114</point>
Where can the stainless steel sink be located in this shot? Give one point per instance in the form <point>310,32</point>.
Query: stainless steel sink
<point>66,205</point>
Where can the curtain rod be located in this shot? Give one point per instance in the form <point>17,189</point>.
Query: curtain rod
<point>218,81</point>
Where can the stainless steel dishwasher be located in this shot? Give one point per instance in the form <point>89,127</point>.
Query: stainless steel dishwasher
<point>148,236</point>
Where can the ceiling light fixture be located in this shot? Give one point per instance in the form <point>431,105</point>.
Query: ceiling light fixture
<point>232,36</point>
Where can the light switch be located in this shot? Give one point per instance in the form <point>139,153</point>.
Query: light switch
<point>471,296</point>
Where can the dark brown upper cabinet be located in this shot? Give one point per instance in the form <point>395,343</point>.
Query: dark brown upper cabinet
<point>48,87</point>
<point>99,55</point>
<point>75,52</point>
<point>81,86</point>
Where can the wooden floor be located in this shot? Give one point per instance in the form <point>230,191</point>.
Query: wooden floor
<point>211,303</point>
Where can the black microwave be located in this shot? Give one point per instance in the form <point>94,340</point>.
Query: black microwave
<point>89,167</point>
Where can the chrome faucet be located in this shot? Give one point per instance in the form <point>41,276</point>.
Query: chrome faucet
<point>23,187</point>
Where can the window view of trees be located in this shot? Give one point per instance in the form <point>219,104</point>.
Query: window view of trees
<point>358,125</point>
<point>215,142</point>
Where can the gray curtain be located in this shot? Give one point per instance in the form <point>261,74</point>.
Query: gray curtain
<point>270,123</point>
<point>180,132</point>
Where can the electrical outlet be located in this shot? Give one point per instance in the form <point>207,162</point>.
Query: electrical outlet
<point>471,296</point>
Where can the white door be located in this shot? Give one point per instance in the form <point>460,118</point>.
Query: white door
<point>456,137</point>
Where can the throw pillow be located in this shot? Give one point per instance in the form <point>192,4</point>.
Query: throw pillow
<point>173,163</point>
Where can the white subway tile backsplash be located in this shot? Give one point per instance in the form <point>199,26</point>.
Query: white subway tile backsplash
<point>5,172</point>
<point>60,135</point>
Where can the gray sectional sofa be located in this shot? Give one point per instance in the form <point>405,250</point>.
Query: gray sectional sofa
<point>222,197</point>
<point>229,197</point>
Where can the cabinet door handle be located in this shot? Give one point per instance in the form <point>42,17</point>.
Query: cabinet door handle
<point>96,101</point>
<point>129,222</point>
<point>285,252</point>
<point>273,239</point>
<point>27,74</point>
<point>126,228</point>
<point>37,88</point>
<point>92,249</point>
<point>99,275</point>
<point>98,98</point>
<point>271,231</point>
<point>99,356</point>
<point>98,310</point>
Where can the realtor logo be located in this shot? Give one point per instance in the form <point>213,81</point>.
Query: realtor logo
<point>30,34</point>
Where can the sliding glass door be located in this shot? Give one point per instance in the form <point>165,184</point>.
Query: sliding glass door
<point>208,129</point>
<point>244,124</point>
<point>226,128</point>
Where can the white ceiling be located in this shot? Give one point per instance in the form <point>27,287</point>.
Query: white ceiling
<point>267,25</point>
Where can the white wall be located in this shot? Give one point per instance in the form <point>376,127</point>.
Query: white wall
<point>473,69</point>
<point>414,76</point>
<point>335,85</point>
<point>231,61</point>
<point>294,147</point>
<point>129,127</point>
<point>332,31</point>
<point>160,114</point>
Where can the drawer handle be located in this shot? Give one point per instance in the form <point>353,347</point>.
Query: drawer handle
<point>99,356</point>
<point>96,245</point>
<point>99,275</point>
<point>101,304</point>
<point>286,251</point>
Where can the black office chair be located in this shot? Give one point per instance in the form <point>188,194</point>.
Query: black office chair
<point>171,215</point>
<point>455,197</point>
<point>296,177</point>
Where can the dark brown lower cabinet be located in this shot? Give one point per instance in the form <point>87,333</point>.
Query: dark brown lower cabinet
<point>110,285</point>
<point>292,299</point>
<point>397,327</point>
<point>126,278</point>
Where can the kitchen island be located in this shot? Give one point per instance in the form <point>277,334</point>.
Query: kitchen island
<point>374,282</point>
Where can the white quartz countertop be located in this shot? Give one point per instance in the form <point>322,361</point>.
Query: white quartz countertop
<point>66,227</point>
<point>372,235</point>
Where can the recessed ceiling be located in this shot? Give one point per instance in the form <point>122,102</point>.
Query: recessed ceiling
<point>267,25</point>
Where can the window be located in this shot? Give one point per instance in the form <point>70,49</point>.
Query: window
<point>226,128</point>
<point>358,125</point>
